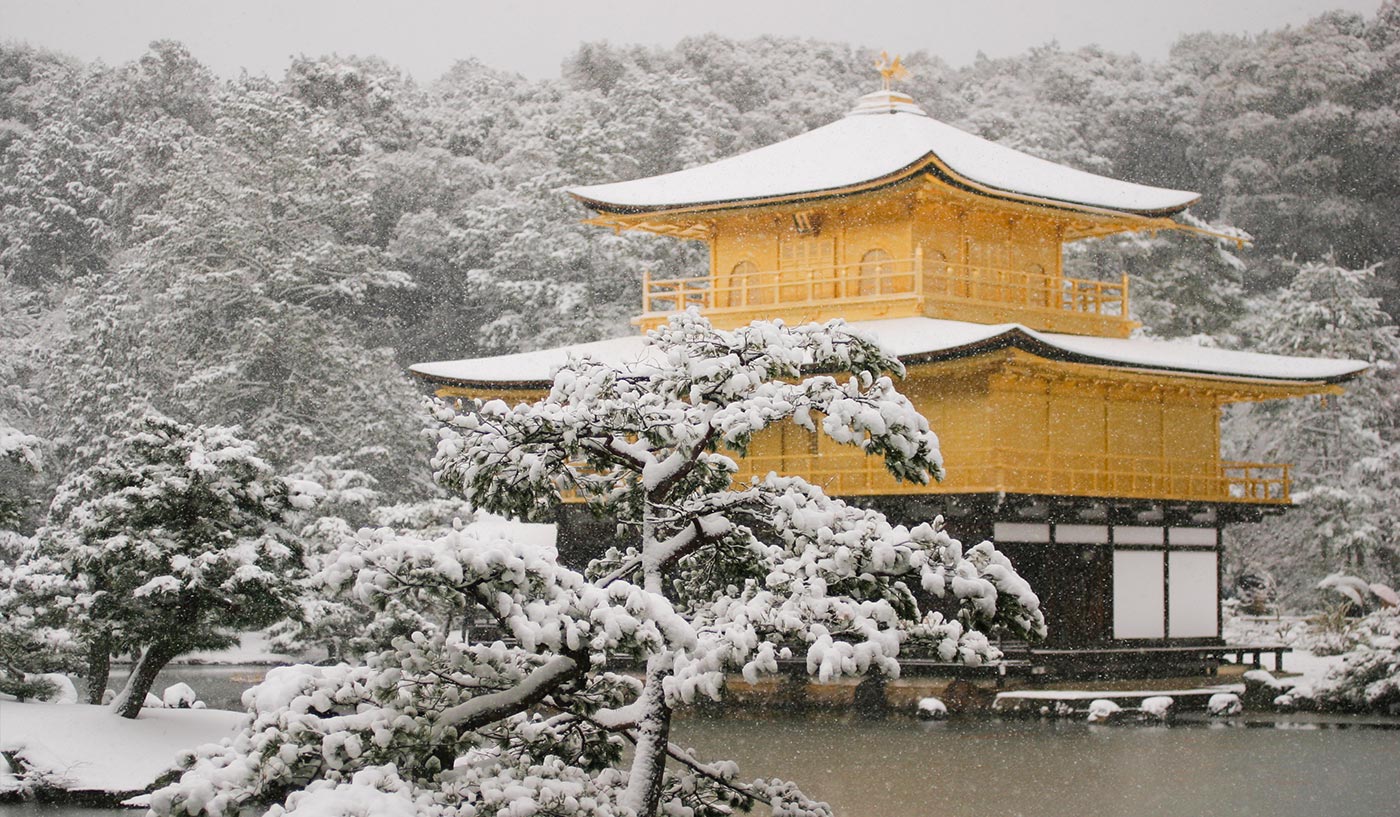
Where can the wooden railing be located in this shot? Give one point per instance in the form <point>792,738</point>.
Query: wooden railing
<point>1027,290</point>
<point>1009,470</point>
<point>1259,482</point>
<point>799,286</point>
<point>1001,294</point>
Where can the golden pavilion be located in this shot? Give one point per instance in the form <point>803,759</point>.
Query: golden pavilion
<point>1091,457</point>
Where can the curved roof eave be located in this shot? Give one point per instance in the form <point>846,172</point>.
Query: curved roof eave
<point>1023,340</point>
<point>928,163</point>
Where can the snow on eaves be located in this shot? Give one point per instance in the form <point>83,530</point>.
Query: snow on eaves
<point>533,369</point>
<point>859,150</point>
<point>915,339</point>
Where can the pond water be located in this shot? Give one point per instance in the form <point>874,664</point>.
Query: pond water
<point>220,686</point>
<point>982,767</point>
<point>1280,766</point>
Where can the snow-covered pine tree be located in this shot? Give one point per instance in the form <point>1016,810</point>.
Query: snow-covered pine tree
<point>177,541</point>
<point>33,590</point>
<point>1183,287</point>
<point>346,628</point>
<point>22,453</point>
<point>36,597</point>
<point>1346,448</point>
<point>730,577</point>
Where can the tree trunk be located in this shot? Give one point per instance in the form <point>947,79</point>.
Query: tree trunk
<point>99,668</point>
<point>643,793</point>
<point>129,701</point>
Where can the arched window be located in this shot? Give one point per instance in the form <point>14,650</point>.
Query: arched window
<point>748,287</point>
<point>875,269</point>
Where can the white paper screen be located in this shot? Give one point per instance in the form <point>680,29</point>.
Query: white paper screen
<point>1021,532</point>
<point>1193,594</point>
<point>1137,594</point>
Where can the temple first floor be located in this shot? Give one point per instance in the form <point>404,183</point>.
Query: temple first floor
<point>1116,577</point>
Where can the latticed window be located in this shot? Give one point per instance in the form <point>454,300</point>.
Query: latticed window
<point>808,268</point>
<point>807,253</point>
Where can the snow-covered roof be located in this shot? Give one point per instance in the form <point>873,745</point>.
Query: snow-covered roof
<point>923,339</point>
<point>886,137</point>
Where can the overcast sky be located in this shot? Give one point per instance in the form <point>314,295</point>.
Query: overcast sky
<point>425,37</point>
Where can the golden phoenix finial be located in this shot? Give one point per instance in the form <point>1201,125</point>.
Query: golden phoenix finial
<point>890,70</point>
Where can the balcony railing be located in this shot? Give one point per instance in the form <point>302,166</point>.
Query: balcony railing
<point>800,286</point>
<point>997,470</point>
<point>970,292</point>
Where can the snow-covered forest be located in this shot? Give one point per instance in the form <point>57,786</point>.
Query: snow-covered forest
<point>270,253</point>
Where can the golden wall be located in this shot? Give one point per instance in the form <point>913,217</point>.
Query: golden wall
<point>1007,428</point>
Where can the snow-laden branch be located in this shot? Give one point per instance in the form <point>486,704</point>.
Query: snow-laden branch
<point>484,709</point>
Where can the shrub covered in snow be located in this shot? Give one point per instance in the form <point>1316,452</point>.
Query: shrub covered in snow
<point>729,577</point>
<point>60,688</point>
<point>1158,707</point>
<point>1341,627</point>
<point>1261,688</point>
<point>932,709</point>
<point>9,782</point>
<point>176,540</point>
<point>1368,679</point>
<point>36,596</point>
<point>179,696</point>
<point>1359,592</point>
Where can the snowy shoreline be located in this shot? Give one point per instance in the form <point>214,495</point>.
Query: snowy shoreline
<point>83,753</point>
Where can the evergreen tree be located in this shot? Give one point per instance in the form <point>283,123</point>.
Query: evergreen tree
<point>34,593</point>
<point>178,542</point>
<point>1345,449</point>
<point>251,299</point>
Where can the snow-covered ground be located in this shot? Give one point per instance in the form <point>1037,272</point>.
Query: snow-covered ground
<point>1291,630</point>
<point>1308,667</point>
<point>87,748</point>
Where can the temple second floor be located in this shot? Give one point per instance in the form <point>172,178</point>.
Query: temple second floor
<point>887,213</point>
